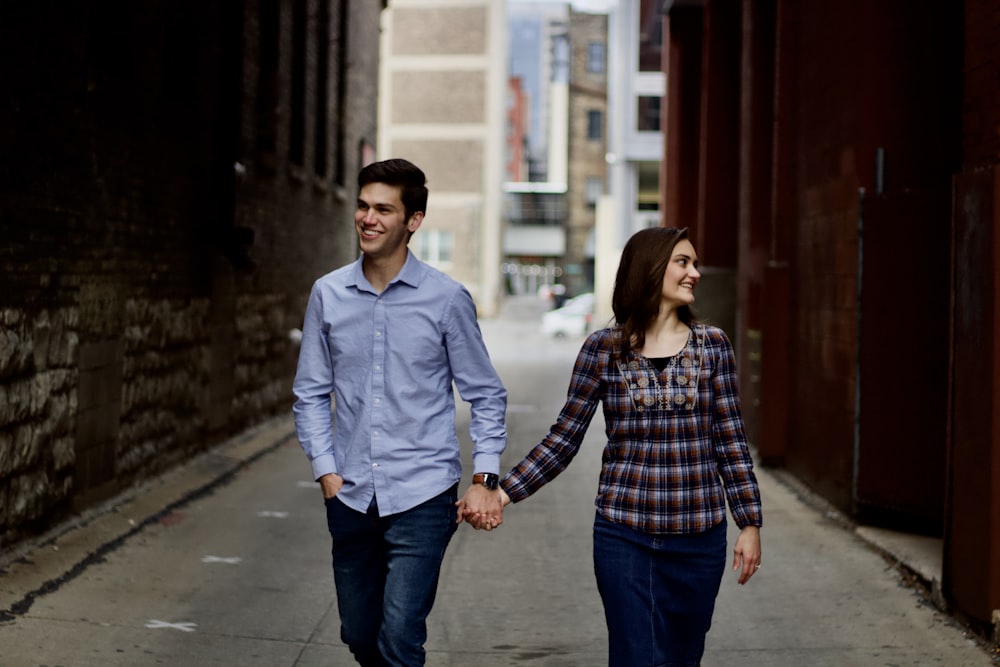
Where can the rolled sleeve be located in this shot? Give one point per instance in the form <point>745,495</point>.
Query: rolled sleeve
<point>478,383</point>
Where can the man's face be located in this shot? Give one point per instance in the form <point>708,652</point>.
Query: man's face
<point>381,222</point>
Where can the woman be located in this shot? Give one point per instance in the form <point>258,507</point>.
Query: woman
<point>676,451</point>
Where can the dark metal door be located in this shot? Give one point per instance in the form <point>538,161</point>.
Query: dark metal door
<point>903,361</point>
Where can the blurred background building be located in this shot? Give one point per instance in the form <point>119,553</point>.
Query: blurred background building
<point>557,139</point>
<point>443,82</point>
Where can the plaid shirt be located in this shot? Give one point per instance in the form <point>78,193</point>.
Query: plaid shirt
<point>676,446</point>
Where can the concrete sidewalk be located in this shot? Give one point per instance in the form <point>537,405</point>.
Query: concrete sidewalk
<point>224,561</point>
<point>815,601</point>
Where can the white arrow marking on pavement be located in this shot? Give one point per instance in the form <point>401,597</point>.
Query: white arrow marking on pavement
<point>303,484</point>
<point>276,515</point>
<point>229,560</point>
<point>183,627</point>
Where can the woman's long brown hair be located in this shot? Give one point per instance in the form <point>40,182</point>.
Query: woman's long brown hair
<point>639,284</point>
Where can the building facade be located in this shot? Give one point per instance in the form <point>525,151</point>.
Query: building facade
<point>535,201</point>
<point>443,81</point>
<point>587,146</point>
<point>851,186</point>
<point>636,86</point>
<point>174,177</point>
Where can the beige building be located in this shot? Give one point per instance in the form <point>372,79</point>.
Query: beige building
<point>587,164</point>
<point>441,105</point>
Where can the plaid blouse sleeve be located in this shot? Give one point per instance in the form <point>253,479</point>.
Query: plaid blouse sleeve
<point>729,438</point>
<point>553,454</point>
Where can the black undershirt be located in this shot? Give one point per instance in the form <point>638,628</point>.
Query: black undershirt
<point>659,362</point>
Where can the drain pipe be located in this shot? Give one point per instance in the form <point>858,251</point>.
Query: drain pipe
<point>879,189</point>
<point>857,351</point>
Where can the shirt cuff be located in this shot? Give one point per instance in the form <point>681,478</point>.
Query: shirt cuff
<point>323,465</point>
<point>485,462</point>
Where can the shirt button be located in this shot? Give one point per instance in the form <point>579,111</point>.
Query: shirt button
<point>377,367</point>
<point>375,434</point>
<point>374,465</point>
<point>378,401</point>
<point>378,334</point>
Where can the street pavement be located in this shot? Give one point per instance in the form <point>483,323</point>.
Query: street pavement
<point>225,561</point>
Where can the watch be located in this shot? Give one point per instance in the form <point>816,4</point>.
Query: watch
<point>487,479</point>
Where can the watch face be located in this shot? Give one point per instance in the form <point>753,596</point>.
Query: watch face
<point>489,480</point>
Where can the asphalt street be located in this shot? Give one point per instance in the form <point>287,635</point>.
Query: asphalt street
<point>225,561</point>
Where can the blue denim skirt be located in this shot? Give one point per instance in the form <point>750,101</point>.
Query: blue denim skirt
<point>658,592</point>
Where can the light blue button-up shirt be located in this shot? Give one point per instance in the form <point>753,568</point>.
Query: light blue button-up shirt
<point>389,361</point>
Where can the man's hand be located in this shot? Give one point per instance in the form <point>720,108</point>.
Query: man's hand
<point>330,484</point>
<point>481,508</point>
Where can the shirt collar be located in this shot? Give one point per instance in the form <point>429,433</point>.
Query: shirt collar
<point>409,274</point>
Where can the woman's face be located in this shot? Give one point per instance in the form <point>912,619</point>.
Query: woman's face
<point>681,276</point>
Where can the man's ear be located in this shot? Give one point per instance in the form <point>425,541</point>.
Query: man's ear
<point>413,224</point>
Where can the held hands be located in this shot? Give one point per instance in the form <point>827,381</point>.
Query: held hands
<point>481,508</point>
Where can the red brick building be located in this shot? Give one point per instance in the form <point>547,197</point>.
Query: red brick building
<point>844,158</point>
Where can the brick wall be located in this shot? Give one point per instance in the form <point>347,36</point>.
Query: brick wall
<point>164,208</point>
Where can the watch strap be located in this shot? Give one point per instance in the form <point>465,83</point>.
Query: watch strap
<point>490,480</point>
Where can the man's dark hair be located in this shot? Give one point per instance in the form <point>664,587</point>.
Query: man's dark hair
<point>403,174</point>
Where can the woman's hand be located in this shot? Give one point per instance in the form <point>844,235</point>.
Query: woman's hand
<point>746,553</point>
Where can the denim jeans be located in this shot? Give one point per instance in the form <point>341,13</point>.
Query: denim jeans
<point>386,572</point>
<point>658,591</point>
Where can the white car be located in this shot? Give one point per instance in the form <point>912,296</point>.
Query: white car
<point>573,319</point>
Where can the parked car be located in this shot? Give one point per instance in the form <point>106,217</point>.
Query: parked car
<point>573,319</point>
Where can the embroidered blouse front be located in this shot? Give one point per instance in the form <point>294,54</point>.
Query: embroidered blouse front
<point>676,448</point>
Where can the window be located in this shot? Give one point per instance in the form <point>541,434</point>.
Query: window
<point>266,102</point>
<point>296,146</point>
<point>595,58</point>
<point>648,116</point>
<point>595,188</point>
<point>342,59</point>
<point>650,36</point>
<point>434,246</point>
<point>535,208</point>
<point>595,125</point>
<point>322,88</point>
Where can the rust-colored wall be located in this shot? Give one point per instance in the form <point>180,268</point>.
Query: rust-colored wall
<point>972,528</point>
<point>823,259</point>
<point>682,63</point>
<point>855,117</point>
<point>754,195</point>
<point>972,547</point>
<point>866,84</point>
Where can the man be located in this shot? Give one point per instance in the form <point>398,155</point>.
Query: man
<point>388,335</point>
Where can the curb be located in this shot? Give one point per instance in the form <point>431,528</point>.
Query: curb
<point>39,566</point>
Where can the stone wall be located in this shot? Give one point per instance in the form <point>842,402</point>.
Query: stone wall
<point>156,252</point>
<point>38,406</point>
